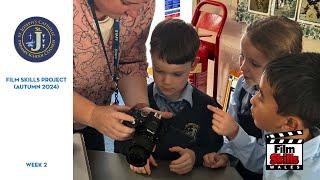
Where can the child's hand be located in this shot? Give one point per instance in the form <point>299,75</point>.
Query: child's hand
<point>223,123</point>
<point>185,162</point>
<point>215,160</point>
<point>146,169</point>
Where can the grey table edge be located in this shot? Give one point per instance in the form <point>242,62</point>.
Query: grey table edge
<point>111,166</point>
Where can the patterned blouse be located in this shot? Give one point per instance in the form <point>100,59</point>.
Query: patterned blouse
<point>91,76</point>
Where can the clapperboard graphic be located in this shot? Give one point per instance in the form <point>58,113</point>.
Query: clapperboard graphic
<point>172,8</point>
<point>284,154</point>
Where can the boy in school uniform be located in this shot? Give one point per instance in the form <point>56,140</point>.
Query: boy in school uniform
<point>288,100</point>
<point>189,136</point>
<point>263,41</point>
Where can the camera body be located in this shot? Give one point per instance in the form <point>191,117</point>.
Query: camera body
<point>148,127</point>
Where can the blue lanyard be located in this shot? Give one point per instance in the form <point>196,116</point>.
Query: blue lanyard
<point>116,30</point>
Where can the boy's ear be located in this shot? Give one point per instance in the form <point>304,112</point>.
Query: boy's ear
<point>293,123</point>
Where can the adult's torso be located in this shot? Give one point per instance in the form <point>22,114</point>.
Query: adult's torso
<point>92,78</point>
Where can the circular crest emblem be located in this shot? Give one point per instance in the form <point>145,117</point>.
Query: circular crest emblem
<point>36,39</point>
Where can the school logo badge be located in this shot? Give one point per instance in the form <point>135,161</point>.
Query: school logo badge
<point>284,154</point>
<point>191,130</point>
<point>36,39</point>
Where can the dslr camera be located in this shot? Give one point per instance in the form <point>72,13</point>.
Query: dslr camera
<point>148,127</point>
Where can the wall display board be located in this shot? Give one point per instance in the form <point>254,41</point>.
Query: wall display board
<point>306,12</point>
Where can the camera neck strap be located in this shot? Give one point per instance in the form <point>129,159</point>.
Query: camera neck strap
<point>115,47</point>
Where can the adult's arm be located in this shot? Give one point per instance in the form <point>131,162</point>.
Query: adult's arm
<point>134,90</point>
<point>133,60</point>
<point>106,119</point>
<point>82,109</point>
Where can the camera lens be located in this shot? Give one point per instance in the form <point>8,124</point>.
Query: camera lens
<point>137,156</point>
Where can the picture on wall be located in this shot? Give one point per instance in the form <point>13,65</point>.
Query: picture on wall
<point>287,8</point>
<point>309,12</point>
<point>260,6</point>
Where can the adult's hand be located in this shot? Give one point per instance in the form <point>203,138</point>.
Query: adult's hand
<point>164,115</point>
<point>144,107</point>
<point>108,121</point>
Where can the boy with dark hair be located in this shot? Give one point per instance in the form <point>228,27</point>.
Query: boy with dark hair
<point>189,136</point>
<point>288,99</point>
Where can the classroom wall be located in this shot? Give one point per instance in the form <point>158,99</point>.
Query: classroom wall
<point>230,49</point>
<point>230,40</point>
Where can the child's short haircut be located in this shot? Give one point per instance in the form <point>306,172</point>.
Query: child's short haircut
<point>295,84</point>
<point>175,41</point>
<point>275,36</point>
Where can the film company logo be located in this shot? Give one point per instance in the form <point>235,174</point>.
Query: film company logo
<point>36,39</point>
<point>284,154</point>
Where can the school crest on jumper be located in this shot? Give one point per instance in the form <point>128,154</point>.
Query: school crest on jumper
<point>191,130</point>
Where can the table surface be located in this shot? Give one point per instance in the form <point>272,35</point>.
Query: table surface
<point>113,166</point>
